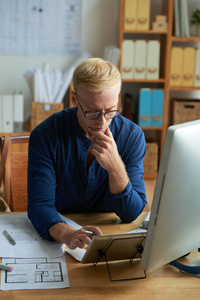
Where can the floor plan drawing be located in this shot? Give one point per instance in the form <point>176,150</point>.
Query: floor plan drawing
<point>35,273</point>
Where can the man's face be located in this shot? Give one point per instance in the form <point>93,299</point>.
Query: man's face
<point>95,102</point>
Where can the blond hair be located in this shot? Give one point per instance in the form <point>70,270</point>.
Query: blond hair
<point>96,75</point>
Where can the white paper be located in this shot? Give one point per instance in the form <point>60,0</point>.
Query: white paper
<point>35,273</point>
<point>77,253</point>
<point>28,242</point>
<point>40,27</point>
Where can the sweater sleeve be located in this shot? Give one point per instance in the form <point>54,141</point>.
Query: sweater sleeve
<point>129,204</point>
<point>41,186</point>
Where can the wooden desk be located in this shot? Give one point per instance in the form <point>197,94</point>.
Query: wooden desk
<point>89,282</point>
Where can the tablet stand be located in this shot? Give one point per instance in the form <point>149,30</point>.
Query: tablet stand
<point>137,251</point>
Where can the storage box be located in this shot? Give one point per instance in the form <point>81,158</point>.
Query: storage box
<point>159,26</point>
<point>41,111</point>
<point>185,110</point>
<point>161,19</point>
<point>151,158</point>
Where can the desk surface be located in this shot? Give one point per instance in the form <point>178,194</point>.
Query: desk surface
<point>92,282</point>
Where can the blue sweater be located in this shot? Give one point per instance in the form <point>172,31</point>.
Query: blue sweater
<point>57,177</point>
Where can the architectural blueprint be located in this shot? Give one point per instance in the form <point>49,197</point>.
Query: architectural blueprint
<point>35,273</point>
<point>40,27</point>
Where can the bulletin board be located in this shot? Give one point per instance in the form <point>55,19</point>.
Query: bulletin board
<point>40,27</point>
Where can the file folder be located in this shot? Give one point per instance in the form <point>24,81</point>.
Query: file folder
<point>144,107</point>
<point>188,66</point>
<point>128,53</point>
<point>157,107</point>
<point>176,65</point>
<point>143,15</point>
<point>153,60</point>
<point>130,14</point>
<point>140,59</point>
<point>18,104</point>
<point>197,69</point>
<point>7,113</point>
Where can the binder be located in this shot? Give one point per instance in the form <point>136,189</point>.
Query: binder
<point>188,66</point>
<point>143,15</point>
<point>144,107</point>
<point>18,105</point>
<point>153,60</point>
<point>7,113</point>
<point>176,66</point>
<point>157,107</point>
<point>130,14</point>
<point>128,53</point>
<point>140,59</point>
<point>197,68</point>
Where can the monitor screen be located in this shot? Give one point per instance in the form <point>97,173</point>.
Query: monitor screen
<point>174,225</point>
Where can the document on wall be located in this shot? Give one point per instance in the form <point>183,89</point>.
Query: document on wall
<point>28,242</point>
<point>35,273</point>
<point>40,27</point>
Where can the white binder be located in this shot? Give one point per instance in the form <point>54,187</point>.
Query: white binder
<point>153,60</point>
<point>140,59</point>
<point>197,68</point>
<point>128,52</point>
<point>18,105</point>
<point>7,113</point>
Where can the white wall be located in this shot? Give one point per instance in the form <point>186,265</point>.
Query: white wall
<point>99,28</point>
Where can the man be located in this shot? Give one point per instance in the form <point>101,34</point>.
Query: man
<point>86,159</point>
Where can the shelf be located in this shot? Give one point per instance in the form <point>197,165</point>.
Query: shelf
<point>161,80</point>
<point>185,39</point>
<point>144,32</point>
<point>184,88</point>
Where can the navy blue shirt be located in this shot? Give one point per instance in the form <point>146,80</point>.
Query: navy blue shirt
<point>57,177</point>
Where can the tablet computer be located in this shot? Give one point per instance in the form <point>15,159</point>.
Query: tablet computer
<point>115,247</point>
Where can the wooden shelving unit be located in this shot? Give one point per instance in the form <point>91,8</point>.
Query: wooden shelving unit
<point>167,39</point>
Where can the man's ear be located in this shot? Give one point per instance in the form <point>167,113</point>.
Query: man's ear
<point>73,98</point>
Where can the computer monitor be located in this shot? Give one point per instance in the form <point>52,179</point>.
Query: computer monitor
<point>174,225</point>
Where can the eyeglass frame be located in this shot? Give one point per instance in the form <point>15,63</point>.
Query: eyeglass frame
<point>100,113</point>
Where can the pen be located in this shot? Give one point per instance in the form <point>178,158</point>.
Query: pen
<point>9,237</point>
<point>6,268</point>
<point>89,232</point>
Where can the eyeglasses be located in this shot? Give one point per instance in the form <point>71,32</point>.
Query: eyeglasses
<point>97,114</point>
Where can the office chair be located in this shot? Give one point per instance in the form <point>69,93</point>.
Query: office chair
<point>13,171</point>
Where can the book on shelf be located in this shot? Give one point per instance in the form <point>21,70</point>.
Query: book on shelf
<point>181,18</point>
<point>128,106</point>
